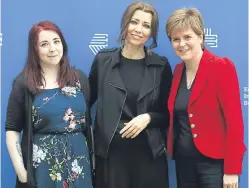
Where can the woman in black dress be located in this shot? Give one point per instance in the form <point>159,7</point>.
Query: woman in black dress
<point>131,86</point>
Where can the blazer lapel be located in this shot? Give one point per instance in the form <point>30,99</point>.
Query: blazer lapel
<point>175,85</point>
<point>201,76</point>
<point>115,79</point>
<point>148,83</point>
<point>150,80</point>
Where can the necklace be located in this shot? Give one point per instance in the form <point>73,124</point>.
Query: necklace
<point>191,82</point>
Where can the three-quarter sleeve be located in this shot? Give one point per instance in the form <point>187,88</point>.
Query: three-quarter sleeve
<point>229,98</point>
<point>15,116</point>
<point>85,86</point>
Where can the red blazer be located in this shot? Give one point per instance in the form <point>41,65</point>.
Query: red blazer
<point>214,110</point>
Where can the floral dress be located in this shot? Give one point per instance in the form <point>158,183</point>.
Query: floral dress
<point>60,151</point>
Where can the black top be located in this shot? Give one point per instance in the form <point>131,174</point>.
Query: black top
<point>132,73</point>
<point>184,144</point>
<point>109,90</point>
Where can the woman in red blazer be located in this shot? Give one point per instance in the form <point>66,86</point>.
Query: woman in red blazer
<point>206,126</point>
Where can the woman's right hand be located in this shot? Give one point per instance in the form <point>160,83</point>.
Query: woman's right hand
<point>23,177</point>
<point>15,151</point>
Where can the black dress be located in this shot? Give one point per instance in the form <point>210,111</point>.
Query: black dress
<point>129,163</point>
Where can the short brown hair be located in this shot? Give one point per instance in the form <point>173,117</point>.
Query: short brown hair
<point>186,18</point>
<point>130,10</point>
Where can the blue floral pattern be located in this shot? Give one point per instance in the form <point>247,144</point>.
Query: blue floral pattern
<point>60,149</point>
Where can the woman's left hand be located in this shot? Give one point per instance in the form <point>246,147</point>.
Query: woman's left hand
<point>231,181</point>
<point>135,126</point>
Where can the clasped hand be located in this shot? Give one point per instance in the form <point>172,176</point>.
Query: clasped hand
<point>134,127</point>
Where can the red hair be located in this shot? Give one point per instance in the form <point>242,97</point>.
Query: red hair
<point>33,70</point>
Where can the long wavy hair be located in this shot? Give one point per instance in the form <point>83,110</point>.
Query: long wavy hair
<point>33,71</point>
<point>126,18</point>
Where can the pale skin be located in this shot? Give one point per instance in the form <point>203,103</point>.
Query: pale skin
<point>139,31</point>
<point>13,145</point>
<point>187,46</point>
<point>50,53</point>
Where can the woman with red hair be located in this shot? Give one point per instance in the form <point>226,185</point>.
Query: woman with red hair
<point>47,103</point>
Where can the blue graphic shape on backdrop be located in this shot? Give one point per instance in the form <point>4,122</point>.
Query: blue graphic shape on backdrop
<point>81,21</point>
